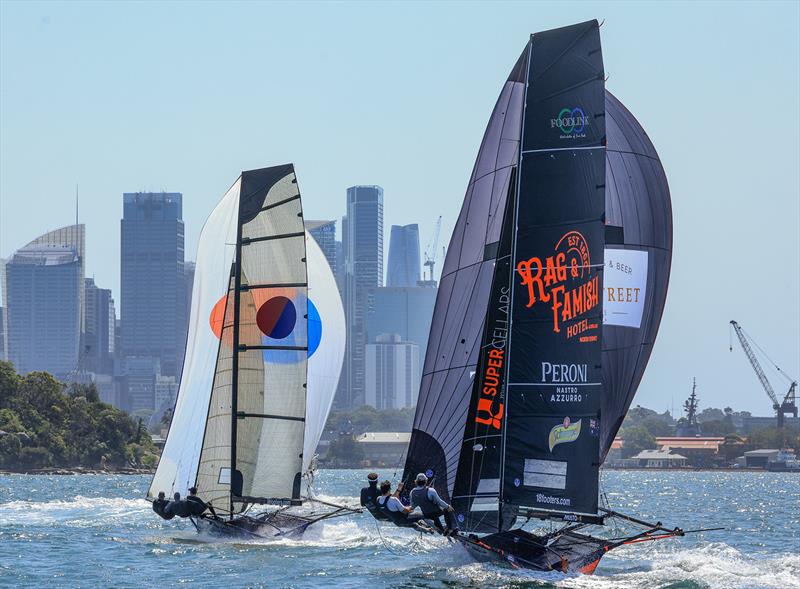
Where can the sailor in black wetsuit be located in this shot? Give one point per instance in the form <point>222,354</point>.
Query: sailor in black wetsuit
<point>396,512</point>
<point>369,497</point>
<point>159,505</point>
<point>197,507</point>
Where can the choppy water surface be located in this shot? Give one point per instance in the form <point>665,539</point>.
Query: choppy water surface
<point>98,531</point>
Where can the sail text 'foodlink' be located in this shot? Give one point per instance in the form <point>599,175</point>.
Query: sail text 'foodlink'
<point>547,284</point>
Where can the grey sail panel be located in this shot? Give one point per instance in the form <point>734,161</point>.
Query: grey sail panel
<point>639,214</point>
<point>273,337</point>
<point>459,315</point>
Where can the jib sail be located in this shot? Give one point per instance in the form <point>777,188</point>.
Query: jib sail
<point>441,425</point>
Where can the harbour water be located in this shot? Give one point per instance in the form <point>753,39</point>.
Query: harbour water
<point>98,531</point>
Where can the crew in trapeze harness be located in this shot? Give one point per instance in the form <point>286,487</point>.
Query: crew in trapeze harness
<point>389,506</point>
<point>192,506</point>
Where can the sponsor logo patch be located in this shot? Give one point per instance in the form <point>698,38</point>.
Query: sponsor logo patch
<point>564,433</point>
<point>572,123</point>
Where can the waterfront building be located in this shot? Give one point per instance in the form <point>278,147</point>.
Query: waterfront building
<point>404,259</point>
<point>153,279</point>
<point>392,372</point>
<point>363,270</point>
<point>383,449</point>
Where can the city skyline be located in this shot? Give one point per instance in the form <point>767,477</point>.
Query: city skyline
<point>417,136</point>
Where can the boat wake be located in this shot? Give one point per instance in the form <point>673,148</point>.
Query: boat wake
<point>712,566</point>
<point>80,511</point>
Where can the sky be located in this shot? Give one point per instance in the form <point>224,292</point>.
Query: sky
<point>123,97</point>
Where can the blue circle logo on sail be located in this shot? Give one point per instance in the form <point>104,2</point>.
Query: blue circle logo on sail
<point>294,338</point>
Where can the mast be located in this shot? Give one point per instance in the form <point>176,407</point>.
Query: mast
<point>235,359</point>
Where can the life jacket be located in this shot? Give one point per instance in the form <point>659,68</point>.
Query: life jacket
<point>419,496</point>
<point>369,499</point>
<point>397,517</point>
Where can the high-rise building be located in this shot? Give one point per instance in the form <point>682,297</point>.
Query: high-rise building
<point>324,233</point>
<point>404,261</point>
<point>188,273</point>
<point>97,354</point>
<point>153,280</point>
<point>392,372</point>
<point>43,290</point>
<point>406,311</point>
<point>363,270</point>
<point>138,375</point>
<point>3,331</point>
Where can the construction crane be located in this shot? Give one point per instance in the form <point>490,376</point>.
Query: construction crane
<point>430,251</point>
<point>786,407</point>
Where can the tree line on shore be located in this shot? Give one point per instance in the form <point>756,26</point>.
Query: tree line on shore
<point>46,423</point>
<point>642,426</point>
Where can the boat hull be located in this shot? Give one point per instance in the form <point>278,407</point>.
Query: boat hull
<point>275,526</point>
<point>568,552</point>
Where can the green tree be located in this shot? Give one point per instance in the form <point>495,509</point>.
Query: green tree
<point>636,438</point>
<point>345,451</point>
<point>49,424</point>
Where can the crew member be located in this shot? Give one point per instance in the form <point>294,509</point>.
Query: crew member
<point>197,507</point>
<point>394,510</point>
<point>433,506</point>
<point>177,507</point>
<point>369,496</point>
<point>159,505</point>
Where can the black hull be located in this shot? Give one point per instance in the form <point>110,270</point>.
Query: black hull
<point>566,552</point>
<point>275,526</point>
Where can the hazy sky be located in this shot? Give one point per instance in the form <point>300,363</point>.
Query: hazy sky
<point>182,97</point>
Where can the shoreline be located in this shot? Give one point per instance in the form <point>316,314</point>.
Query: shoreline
<point>74,470</point>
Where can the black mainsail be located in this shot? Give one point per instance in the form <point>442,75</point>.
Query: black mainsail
<point>550,299</point>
